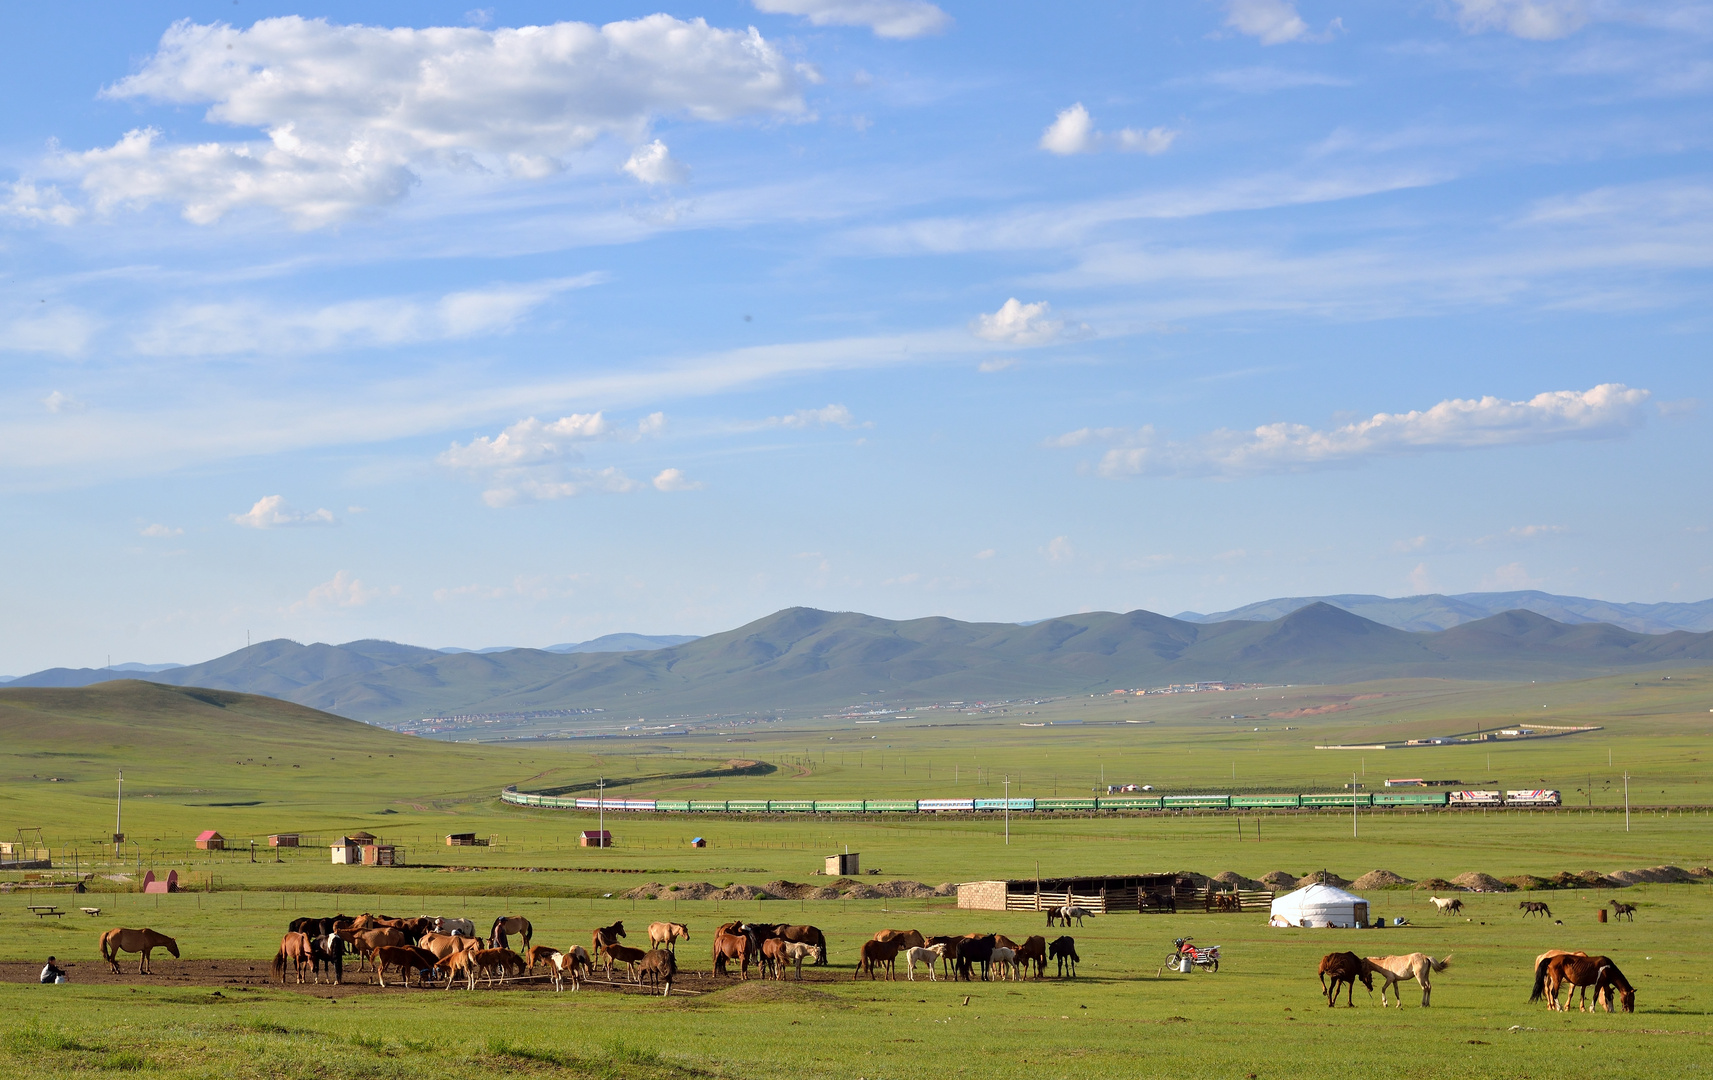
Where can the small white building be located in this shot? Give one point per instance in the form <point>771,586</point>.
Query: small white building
<point>1317,905</point>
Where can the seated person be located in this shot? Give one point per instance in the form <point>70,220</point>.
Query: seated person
<point>52,972</point>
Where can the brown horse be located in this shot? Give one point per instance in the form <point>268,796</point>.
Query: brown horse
<point>406,958</point>
<point>624,954</point>
<point>876,953</point>
<point>365,942</point>
<point>1535,907</point>
<point>1624,911</point>
<point>1034,951</point>
<point>123,939</point>
<point>731,946</point>
<point>659,968</point>
<point>602,936</point>
<point>1581,972</point>
<point>1344,968</point>
<point>665,935</point>
<point>807,935</point>
<point>294,948</point>
<point>509,924</point>
<point>906,939</point>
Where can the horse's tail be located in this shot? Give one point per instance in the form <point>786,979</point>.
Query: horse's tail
<point>279,964</point>
<point>1440,965</point>
<point>1540,979</point>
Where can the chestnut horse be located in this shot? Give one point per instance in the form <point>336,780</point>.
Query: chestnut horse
<point>1345,968</point>
<point>1577,971</point>
<point>295,948</point>
<point>123,939</point>
<point>729,945</point>
<point>874,954</point>
<point>509,924</point>
<point>665,935</point>
<point>602,936</point>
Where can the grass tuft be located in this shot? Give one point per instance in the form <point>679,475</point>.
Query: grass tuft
<point>33,1038</point>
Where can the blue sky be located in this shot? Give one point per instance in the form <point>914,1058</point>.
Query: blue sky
<point>408,321</point>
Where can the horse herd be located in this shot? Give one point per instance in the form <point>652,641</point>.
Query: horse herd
<point>1555,970</point>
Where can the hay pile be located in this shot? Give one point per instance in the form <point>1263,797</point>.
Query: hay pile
<point>1233,880</point>
<point>1323,877</point>
<point>1478,882</point>
<point>1379,879</point>
<point>1278,879</point>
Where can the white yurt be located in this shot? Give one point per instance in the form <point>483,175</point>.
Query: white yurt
<point>1317,906</point>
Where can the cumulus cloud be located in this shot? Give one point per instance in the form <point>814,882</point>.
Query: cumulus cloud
<point>160,532</point>
<point>1273,22</point>
<point>61,402</point>
<point>1535,20</point>
<point>1017,323</point>
<point>997,364</point>
<point>342,591</point>
<point>887,18</point>
<point>229,328</point>
<point>59,329</point>
<point>352,115</point>
<point>530,461</point>
<point>23,199</point>
<point>1059,550</point>
<point>1073,132</point>
<point>271,512</point>
<point>1606,411</point>
<point>675,480</point>
<point>654,164</point>
<point>826,416</point>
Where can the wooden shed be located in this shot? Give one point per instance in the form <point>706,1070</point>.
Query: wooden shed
<point>283,839</point>
<point>381,855</point>
<point>464,839</point>
<point>842,865</point>
<point>209,840</point>
<point>597,838</point>
<point>698,841</point>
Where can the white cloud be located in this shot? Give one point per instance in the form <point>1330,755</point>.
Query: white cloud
<point>1606,411</point>
<point>654,164</point>
<point>1529,532</point>
<point>1071,133</point>
<point>161,532</point>
<point>1155,140</point>
<point>887,18</point>
<point>22,199</point>
<point>61,402</point>
<point>529,442</point>
<point>342,591</point>
<point>271,512</point>
<point>997,364</point>
<point>1059,550</point>
<point>512,487</point>
<point>986,553</point>
<point>1421,580</point>
<point>675,480</point>
<point>1536,20</point>
<point>230,328</point>
<point>1509,578</point>
<point>55,328</point>
<point>353,114</point>
<point>528,461</point>
<point>826,416</point>
<point>1017,323</point>
<point>1273,22</point>
<point>1414,543</point>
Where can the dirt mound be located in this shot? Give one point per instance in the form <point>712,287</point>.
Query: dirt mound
<point>1278,879</point>
<point>1231,879</point>
<point>1322,877</point>
<point>1585,879</point>
<point>823,894</point>
<point>1527,882</point>
<point>1654,875</point>
<point>1435,884</point>
<point>1380,879</point>
<point>1701,872</point>
<point>864,892</point>
<point>1478,882</point>
<point>697,890</point>
<point>743,892</point>
<point>789,890</point>
<point>906,890</point>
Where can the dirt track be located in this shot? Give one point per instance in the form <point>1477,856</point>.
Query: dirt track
<point>243,974</point>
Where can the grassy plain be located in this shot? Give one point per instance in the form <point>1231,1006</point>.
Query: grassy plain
<point>226,763</point>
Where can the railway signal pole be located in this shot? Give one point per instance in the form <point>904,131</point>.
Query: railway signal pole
<point>1008,810</point>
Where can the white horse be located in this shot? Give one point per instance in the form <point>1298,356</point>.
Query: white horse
<point>1006,959</point>
<point>795,951</point>
<point>1395,969</point>
<point>463,927</point>
<point>1447,906</point>
<point>930,955</point>
<point>576,964</point>
<point>1069,912</point>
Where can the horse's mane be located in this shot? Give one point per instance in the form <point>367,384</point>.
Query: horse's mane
<point>1617,977</point>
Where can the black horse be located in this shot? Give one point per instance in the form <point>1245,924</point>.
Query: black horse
<point>1064,950</point>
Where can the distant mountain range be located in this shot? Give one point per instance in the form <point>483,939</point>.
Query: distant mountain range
<point>802,659</point>
<point>1436,612</point>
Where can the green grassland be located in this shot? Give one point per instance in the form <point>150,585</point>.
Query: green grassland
<point>198,759</point>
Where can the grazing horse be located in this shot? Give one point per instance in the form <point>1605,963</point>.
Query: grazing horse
<point>1064,950</point>
<point>509,924</point>
<point>795,951</point>
<point>931,955</point>
<point>602,936</point>
<point>123,939</point>
<point>1395,969</point>
<point>576,963</point>
<point>1627,911</point>
<point>1034,951</point>
<point>877,953</point>
<point>1071,911</point>
<point>1578,970</point>
<point>665,935</point>
<point>1449,906</point>
<point>1345,968</point>
<point>659,967</point>
<point>1536,907</point>
<point>807,935</point>
<point>538,954</point>
<point>406,958</point>
<point>295,949</point>
<point>729,945</point>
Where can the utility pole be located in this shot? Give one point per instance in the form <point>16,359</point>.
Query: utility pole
<point>1008,809</point>
<point>119,817</point>
<point>601,809</point>
<point>1353,825</point>
<point>1626,800</point>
